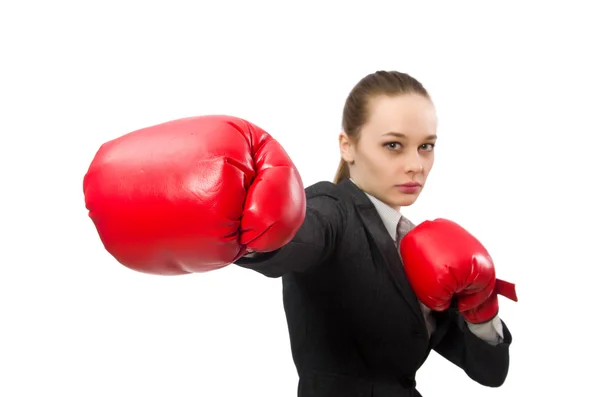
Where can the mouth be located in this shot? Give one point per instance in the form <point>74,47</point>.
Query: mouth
<point>409,188</point>
<point>410,185</point>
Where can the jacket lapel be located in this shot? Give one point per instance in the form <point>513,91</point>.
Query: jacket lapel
<point>376,229</point>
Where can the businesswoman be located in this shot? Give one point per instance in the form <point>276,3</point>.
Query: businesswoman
<point>365,296</point>
<point>356,326</point>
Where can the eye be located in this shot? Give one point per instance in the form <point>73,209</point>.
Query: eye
<point>393,145</point>
<point>427,147</point>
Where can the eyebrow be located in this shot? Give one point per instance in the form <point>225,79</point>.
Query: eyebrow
<point>400,135</point>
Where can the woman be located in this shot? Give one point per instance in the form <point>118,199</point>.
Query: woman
<point>356,327</point>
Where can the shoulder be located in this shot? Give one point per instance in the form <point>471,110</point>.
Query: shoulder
<point>323,188</point>
<point>326,189</point>
<point>329,197</point>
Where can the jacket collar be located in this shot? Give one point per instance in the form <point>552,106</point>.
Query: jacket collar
<point>380,236</point>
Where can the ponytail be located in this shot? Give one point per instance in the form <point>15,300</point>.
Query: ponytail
<point>343,172</point>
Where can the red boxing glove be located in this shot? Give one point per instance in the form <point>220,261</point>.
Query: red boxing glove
<point>443,261</point>
<point>193,195</point>
<point>489,308</point>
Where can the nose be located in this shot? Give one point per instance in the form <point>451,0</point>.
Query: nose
<point>413,162</point>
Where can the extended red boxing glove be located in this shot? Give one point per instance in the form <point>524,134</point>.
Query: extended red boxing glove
<point>193,195</point>
<point>443,261</point>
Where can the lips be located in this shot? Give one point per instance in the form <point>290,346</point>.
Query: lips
<point>410,184</point>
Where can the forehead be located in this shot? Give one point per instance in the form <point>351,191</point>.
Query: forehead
<point>411,114</point>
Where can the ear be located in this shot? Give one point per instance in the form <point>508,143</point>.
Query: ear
<point>346,147</point>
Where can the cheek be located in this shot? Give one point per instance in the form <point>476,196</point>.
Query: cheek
<point>372,159</point>
<point>428,165</point>
<point>385,163</point>
<point>388,164</point>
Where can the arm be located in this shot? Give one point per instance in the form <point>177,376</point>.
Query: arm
<point>484,362</point>
<point>314,242</point>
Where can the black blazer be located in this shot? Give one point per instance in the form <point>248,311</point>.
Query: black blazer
<point>355,325</point>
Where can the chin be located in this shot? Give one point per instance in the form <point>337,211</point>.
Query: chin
<point>406,200</point>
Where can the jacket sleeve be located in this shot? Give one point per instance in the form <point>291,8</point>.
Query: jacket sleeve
<point>315,241</point>
<point>483,362</point>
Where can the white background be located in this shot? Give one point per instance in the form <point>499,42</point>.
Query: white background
<point>516,86</point>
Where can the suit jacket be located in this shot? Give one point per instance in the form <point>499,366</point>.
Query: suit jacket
<point>355,325</point>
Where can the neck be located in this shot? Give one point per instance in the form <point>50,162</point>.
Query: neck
<point>395,207</point>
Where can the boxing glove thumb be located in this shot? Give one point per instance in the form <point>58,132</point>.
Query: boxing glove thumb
<point>275,204</point>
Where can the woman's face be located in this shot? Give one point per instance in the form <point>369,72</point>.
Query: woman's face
<point>394,154</point>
